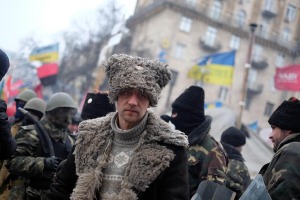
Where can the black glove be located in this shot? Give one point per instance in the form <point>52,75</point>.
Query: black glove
<point>7,142</point>
<point>5,135</point>
<point>51,163</point>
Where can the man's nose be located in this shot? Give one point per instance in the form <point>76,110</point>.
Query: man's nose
<point>271,135</point>
<point>133,99</point>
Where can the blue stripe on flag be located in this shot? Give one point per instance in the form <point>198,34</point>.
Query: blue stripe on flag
<point>45,49</point>
<point>226,58</point>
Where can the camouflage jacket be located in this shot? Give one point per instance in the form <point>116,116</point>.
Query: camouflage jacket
<point>282,174</point>
<point>238,177</point>
<point>207,158</point>
<point>28,160</point>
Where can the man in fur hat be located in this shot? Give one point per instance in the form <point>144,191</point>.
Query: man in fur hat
<point>129,154</point>
<point>207,159</point>
<point>282,174</point>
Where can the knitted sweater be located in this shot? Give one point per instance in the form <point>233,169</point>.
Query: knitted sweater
<point>147,162</point>
<point>124,143</point>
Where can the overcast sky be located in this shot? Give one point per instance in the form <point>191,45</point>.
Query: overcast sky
<point>43,19</point>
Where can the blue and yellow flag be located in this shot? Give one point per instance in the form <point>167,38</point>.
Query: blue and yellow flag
<point>215,69</point>
<point>45,54</point>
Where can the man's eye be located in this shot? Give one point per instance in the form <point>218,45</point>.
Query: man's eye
<point>126,93</point>
<point>142,95</point>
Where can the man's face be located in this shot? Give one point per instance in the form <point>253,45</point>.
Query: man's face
<point>73,128</point>
<point>61,117</point>
<point>132,106</point>
<point>277,135</point>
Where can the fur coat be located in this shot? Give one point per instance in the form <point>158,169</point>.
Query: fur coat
<point>158,168</point>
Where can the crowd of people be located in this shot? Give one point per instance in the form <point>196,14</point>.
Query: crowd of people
<point>117,147</point>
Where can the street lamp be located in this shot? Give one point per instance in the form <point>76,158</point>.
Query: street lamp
<point>245,79</point>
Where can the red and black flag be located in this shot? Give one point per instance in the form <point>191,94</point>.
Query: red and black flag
<point>48,73</point>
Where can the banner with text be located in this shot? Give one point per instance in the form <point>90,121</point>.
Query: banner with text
<point>288,78</point>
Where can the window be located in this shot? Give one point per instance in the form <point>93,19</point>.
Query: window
<point>190,2</point>
<point>252,78</point>
<point>269,5</point>
<point>223,92</point>
<point>279,59</point>
<point>179,50</point>
<point>215,10</point>
<point>185,24</point>
<point>285,35</point>
<point>240,18</point>
<point>269,109</point>
<point>210,36</point>
<point>290,14</point>
<point>257,52</point>
<point>234,42</point>
<point>264,29</point>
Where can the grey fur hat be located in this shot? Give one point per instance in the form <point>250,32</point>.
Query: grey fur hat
<point>130,72</point>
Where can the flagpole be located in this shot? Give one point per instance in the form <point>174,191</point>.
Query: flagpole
<point>245,79</point>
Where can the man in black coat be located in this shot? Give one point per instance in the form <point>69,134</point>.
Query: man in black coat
<point>7,142</point>
<point>130,154</point>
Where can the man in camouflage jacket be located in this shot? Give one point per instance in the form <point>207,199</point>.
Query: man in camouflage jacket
<point>282,174</point>
<point>238,177</point>
<point>207,159</point>
<point>31,163</point>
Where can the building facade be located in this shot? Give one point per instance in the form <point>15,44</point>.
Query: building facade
<point>180,32</point>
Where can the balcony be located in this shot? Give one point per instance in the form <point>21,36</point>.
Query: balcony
<point>259,63</point>
<point>210,46</point>
<point>254,89</point>
<point>269,12</point>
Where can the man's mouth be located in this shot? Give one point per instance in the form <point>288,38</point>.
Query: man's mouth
<point>130,110</point>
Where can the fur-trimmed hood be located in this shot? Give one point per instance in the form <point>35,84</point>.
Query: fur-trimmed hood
<point>147,162</point>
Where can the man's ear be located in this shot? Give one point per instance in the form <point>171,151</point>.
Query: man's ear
<point>288,132</point>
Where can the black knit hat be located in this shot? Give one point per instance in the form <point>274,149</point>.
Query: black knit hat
<point>287,115</point>
<point>189,109</point>
<point>234,137</point>
<point>96,105</point>
<point>191,101</point>
<point>4,64</point>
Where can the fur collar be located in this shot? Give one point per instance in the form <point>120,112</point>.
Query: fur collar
<point>150,159</point>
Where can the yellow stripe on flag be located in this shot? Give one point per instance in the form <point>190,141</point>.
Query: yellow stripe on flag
<point>219,75</point>
<point>196,72</point>
<point>45,57</point>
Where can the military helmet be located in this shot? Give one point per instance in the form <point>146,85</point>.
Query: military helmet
<point>26,95</point>
<point>36,104</point>
<point>59,100</point>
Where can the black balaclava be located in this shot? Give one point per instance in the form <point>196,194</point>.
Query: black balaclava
<point>184,121</point>
<point>189,109</point>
